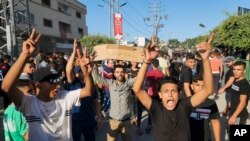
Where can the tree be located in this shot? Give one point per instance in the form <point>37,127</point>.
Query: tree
<point>174,43</point>
<point>233,33</point>
<point>92,40</point>
<point>190,43</point>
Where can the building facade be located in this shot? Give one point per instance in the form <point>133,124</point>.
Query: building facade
<point>59,21</point>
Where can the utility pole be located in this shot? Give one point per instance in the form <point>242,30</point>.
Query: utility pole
<point>111,16</point>
<point>117,6</point>
<point>156,19</point>
<point>111,9</point>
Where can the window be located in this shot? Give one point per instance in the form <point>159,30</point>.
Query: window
<point>46,2</point>
<point>32,19</point>
<point>47,22</point>
<point>80,31</point>
<point>64,8</point>
<point>78,15</point>
<point>64,27</point>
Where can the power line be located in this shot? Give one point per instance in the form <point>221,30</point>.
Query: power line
<point>135,9</point>
<point>134,27</point>
<point>144,5</point>
<point>125,13</point>
<point>156,19</point>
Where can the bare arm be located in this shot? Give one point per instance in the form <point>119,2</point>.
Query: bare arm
<point>216,129</point>
<point>70,64</point>
<point>240,107</point>
<point>8,84</point>
<point>221,70</point>
<point>98,77</point>
<point>26,136</point>
<point>199,97</point>
<point>140,93</point>
<point>228,84</point>
<point>167,71</point>
<point>86,69</point>
<point>151,53</point>
<point>187,89</point>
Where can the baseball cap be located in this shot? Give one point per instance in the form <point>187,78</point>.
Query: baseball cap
<point>229,59</point>
<point>24,80</point>
<point>45,75</point>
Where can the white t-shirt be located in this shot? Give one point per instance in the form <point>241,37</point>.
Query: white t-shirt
<point>163,64</point>
<point>50,121</point>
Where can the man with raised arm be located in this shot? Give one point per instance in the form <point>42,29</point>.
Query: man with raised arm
<point>83,115</point>
<point>171,117</point>
<point>120,111</point>
<point>48,113</point>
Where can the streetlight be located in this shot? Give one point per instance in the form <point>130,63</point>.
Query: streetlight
<point>100,5</point>
<point>125,3</point>
<point>202,25</point>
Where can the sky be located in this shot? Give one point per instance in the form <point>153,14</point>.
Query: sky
<point>183,17</point>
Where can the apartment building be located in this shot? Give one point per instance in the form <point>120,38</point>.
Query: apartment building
<point>59,21</point>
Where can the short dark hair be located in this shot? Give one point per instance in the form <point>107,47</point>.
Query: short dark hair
<point>240,63</point>
<point>119,66</point>
<point>168,79</point>
<point>155,62</point>
<point>197,78</point>
<point>190,56</point>
<point>31,62</point>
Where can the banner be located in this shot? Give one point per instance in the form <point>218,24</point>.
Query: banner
<point>118,26</point>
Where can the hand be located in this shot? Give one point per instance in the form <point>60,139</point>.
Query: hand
<point>204,48</point>
<point>29,46</point>
<point>152,50</point>
<point>75,47</point>
<point>224,112</point>
<point>85,62</point>
<point>232,120</point>
<point>221,91</point>
<point>110,75</point>
<point>99,84</point>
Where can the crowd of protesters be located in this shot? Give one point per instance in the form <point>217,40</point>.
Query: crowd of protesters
<point>62,97</point>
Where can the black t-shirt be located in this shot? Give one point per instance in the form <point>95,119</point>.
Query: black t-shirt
<point>227,76</point>
<point>171,125</point>
<point>175,69</point>
<point>199,67</point>
<point>200,118</point>
<point>186,77</point>
<point>239,88</point>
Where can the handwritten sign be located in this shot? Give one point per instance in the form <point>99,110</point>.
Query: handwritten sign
<point>118,52</point>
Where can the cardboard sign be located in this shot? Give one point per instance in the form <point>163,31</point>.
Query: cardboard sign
<point>118,52</point>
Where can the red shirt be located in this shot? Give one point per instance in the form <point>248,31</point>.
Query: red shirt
<point>152,78</point>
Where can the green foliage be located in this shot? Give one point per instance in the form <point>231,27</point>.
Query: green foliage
<point>233,33</point>
<point>174,42</point>
<point>92,40</point>
<point>189,43</point>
